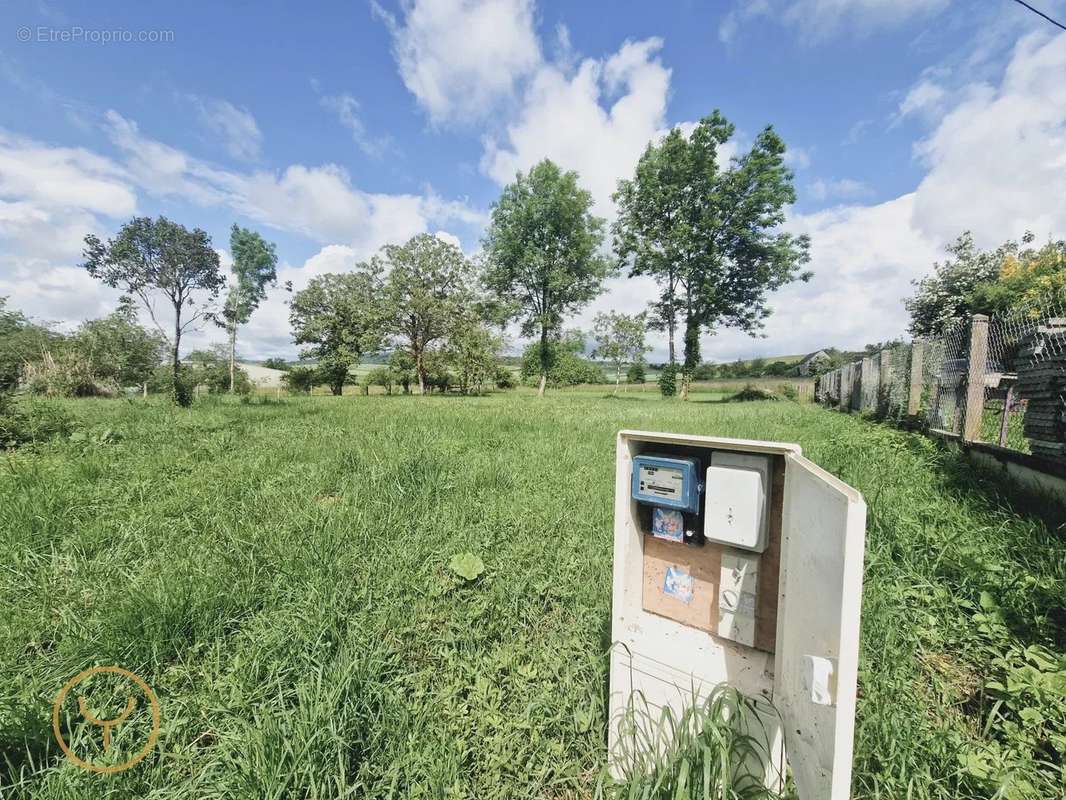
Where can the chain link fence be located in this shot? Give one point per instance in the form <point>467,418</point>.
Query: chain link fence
<point>1001,381</point>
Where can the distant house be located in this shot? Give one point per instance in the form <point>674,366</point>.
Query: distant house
<point>810,363</point>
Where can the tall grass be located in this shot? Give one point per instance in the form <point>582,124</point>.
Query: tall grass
<point>278,573</point>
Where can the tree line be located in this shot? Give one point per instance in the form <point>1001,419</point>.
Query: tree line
<point>706,230</point>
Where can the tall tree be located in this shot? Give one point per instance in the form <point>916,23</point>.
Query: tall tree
<point>429,286</point>
<point>149,258</point>
<point>709,233</point>
<point>542,250</point>
<point>619,340</point>
<point>341,317</point>
<point>21,341</point>
<point>254,269</point>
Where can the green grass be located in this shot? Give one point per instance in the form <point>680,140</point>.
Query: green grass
<point>278,572</point>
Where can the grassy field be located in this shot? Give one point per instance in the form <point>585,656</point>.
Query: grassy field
<point>278,572</point>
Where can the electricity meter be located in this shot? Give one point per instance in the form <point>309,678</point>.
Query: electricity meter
<point>667,482</point>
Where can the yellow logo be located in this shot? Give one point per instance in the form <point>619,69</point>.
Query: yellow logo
<point>110,724</point>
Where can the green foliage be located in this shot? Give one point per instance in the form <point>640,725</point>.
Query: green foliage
<point>993,282</point>
<point>472,353</point>
<point>543,252</point>
<point>67,373</point>
<point>341,317</point>
<point>300,378</point>
<point>752,392</point>
<point>277,363</point>
<point>211,369</point>
<point>118,349</point>
<point>254,269</point>
<point>620,339</point>
<point>637,372</point>
<point>668,380</point>
<point>466,565</point>
<point>156,257</point>
<point>21,342</point>
<point>31,421</point>
<point>567,366</point>
<point>504,378</point>
<point>378,376</point>
<point>710,234</point>
<point>429,293</point>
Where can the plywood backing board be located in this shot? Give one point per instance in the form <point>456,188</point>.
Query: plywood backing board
<point>704,565</point>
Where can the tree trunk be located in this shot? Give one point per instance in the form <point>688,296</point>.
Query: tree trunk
<point>144,390</point>
<point>617,379</point>
<point>420,368</point>
<point>671,325</point>
<point>544,361</point>
<point>175,362</point>
<point>232,355</point>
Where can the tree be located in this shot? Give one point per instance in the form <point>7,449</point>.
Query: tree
<point>637,372</point>
<point>21,341</point>
<point>159,257</point>
<point>542,250</point>
<point>710,236</point>
<point>254,268</point>
<point>975,281</point>
<point>472,352</point>
<point>300,378</point>
<point>619,340</point>
<point>568,365</point>
<point>341,318</point>
<point>277,363</point>
<point>119,349</point>
<point>402,367</point>
<point>429,284</point>
<point>211,369</point>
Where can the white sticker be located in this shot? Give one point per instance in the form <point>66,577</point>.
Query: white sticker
<point>821,678</point>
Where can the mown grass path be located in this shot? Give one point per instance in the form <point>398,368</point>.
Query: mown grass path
<point>278,573</point>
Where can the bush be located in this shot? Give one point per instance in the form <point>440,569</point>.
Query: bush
<point>568,367</point>
<point>752,392</point>
<point>67,374</point>
<point>788,391</point>
<point>504,378</point>
<point>300,379</point>
<point>636,373</point>
<point>668,380</point>
<point>379,376</point>
<point>33,421</point>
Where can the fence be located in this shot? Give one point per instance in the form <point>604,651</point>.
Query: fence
<point>999,381</point>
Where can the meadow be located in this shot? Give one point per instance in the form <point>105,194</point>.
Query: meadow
<point>278,571</point>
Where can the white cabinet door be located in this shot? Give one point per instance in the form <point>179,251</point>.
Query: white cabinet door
<point>817,654</point>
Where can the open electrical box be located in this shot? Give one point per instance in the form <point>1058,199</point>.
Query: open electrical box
<point>740,563</point>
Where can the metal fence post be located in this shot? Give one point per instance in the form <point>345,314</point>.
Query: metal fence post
<point>914,388</point>
<point>975,379</point>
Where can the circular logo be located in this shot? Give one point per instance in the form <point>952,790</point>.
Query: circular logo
<point>23,34</point>
<point>107,724</point>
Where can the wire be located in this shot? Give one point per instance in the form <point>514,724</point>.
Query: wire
<point>1041,14</point>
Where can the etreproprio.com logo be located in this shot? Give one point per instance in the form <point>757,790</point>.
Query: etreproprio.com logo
<point>76,34</point>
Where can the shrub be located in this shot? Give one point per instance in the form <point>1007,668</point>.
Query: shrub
<point>668,380</point>
<point>636,373</point>
<point>788,391</point>
<point>504,378</point>
<point>379,376</point>
<point>67,374</point>
<point>32,421</point>
<point>300,379</point>
<point>752,392</point>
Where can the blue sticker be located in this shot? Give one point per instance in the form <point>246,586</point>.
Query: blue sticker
<point>678,584</point>
<point>667,524</point>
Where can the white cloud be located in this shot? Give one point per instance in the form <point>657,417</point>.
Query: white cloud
<point>817,20</point>
<point>459,57</point>
<point>798,157</point>
<point>235,127</point>
<point>564,118</point>
<point>844,189</point>
<point>926,97</point>
<point>346,108</point>
<point>997,159</point>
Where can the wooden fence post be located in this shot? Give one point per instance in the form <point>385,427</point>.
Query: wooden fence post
<point>914,396</point>
<point>975,379</point>
<point>868,392</point>
<point>884,383</point>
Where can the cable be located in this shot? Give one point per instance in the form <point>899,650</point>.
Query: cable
<point>1041,14</point>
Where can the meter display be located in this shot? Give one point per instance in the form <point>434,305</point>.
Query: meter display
<point>667,482</point>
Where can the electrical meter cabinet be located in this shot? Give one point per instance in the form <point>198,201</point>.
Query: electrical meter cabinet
<point>761,593</point>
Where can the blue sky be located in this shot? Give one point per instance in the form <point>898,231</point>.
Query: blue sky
<point>336,127</point>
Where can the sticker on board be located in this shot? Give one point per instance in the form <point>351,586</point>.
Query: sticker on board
<point>678,584</point>
<point>668,525</point>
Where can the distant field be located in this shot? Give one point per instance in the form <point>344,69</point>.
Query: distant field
<point>278,573</point>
